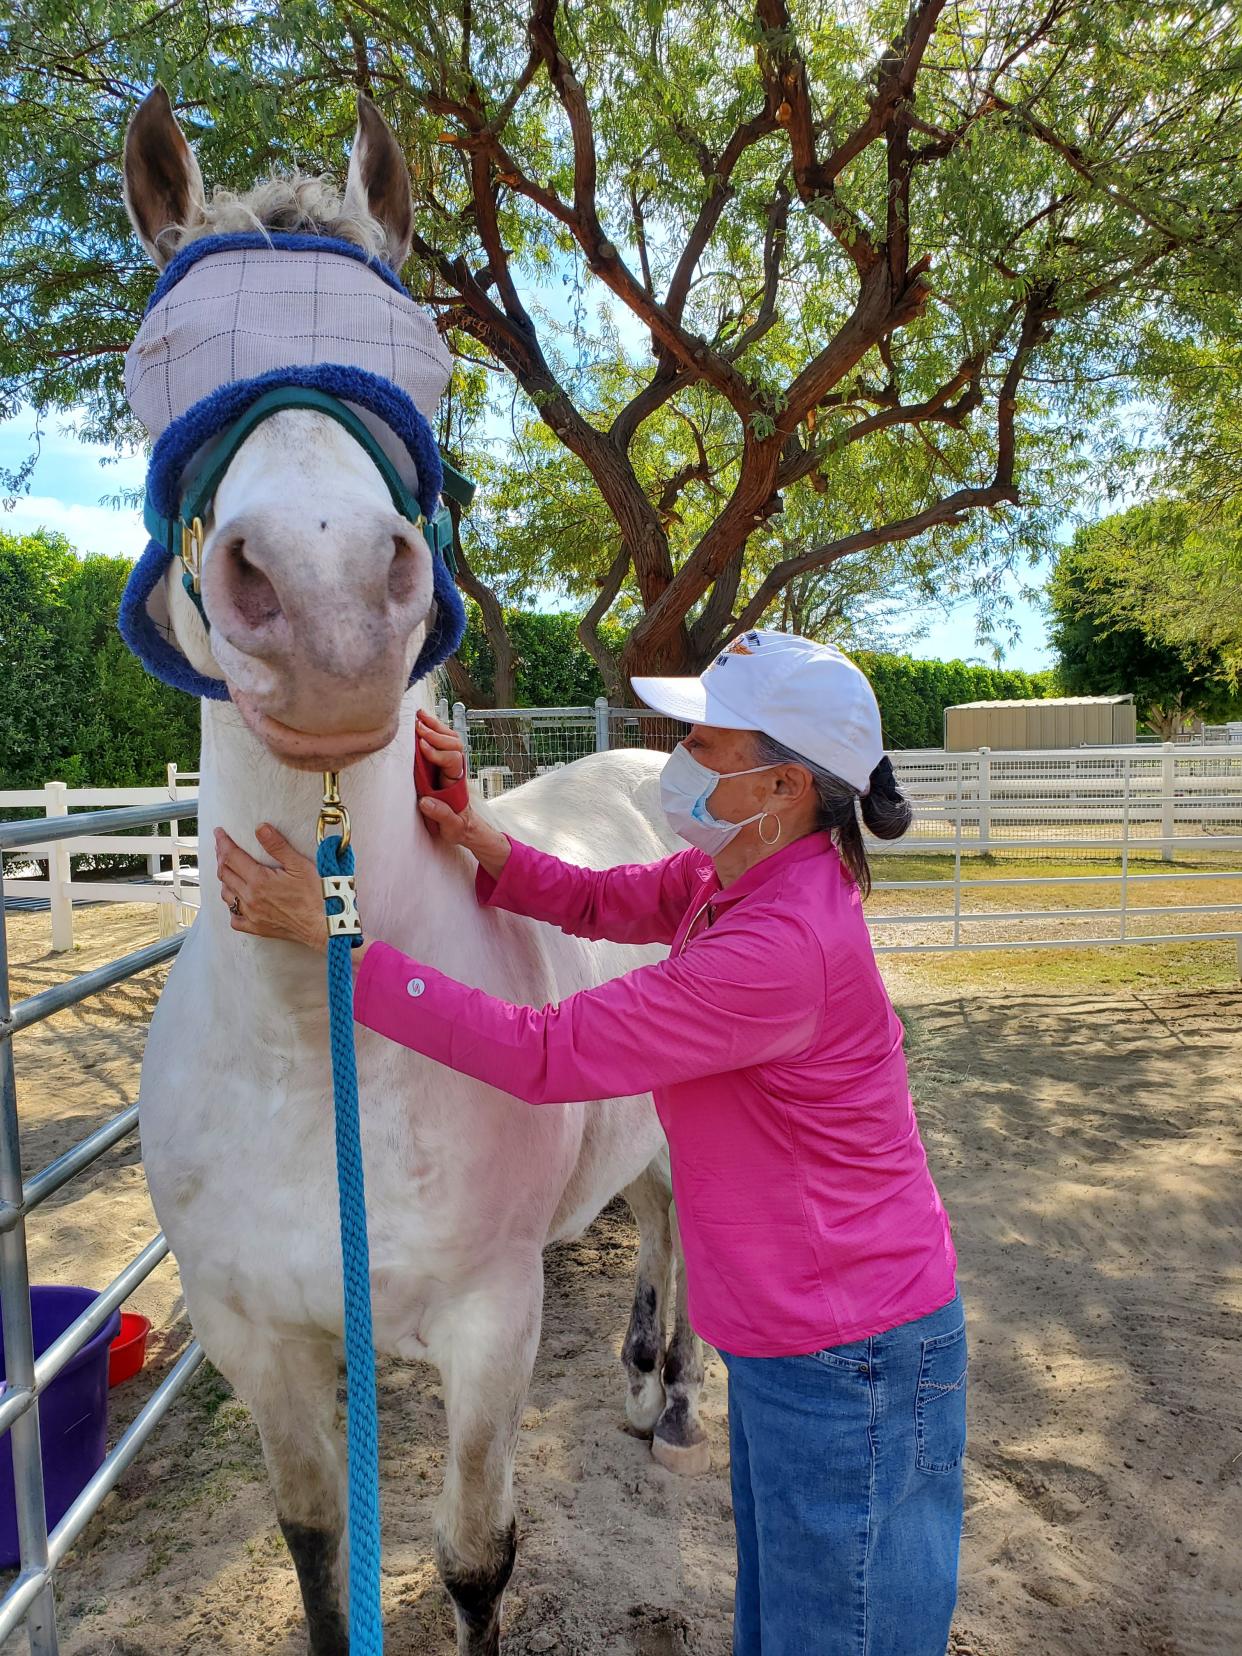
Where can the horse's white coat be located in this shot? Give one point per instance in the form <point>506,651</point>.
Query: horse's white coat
<point>318,597</point>
<point>465,1185</point>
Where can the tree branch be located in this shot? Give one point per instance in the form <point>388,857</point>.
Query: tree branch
<point>877,314</point>
<point>773,251</point>
<point>588,627</point>
<point>663,384</point>
<point>895,78</point>
<point>718,174</point>
<point>1083,167</point>
<point>789,93</point>
<point>952,509</point>
<point>494,628</point>
<point>667,334</point>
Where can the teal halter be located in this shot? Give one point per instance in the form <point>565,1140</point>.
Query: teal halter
<point>181,537</point>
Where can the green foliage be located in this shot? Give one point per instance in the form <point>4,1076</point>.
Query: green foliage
<point>555,671</point>
<point>1128,616</point>
<point>552,668</point>
<point>914,694</point>
<point>75,705</point>
<point>1068,171</point>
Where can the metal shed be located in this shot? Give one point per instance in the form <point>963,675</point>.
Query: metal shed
<point>1057,722</point>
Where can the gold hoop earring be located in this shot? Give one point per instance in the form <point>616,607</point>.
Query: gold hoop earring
<point>776,836</point>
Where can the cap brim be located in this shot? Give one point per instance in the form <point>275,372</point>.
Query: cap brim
<point>688,699</point>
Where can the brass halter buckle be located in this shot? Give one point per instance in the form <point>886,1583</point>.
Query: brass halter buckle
<point>192,551</point>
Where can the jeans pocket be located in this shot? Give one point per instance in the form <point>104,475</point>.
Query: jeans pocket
<point>940,1407</point>
<point>851,1358</point>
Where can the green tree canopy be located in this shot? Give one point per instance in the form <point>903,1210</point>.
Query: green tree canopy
<point>75,705</point>
<point>1118,629</point>
<point>870,271</point>
<point>553,670</point>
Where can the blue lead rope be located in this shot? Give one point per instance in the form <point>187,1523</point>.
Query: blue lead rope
<point>366,1633</point>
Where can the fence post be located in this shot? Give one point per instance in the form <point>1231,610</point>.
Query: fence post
<point>58,872</point>
<point>170,913</point>
<point>985,797</point>
<point>463,730</point>
<point>601,724</point>
<point>1168,781</point>
<point>442,710</point>
<point>19,1340</point>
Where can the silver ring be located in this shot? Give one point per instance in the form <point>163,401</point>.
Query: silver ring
<point>235,906</point>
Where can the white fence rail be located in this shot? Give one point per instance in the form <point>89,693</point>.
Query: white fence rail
<point>172,889</point>
<point>995,799</point>
<point>1123,812</point>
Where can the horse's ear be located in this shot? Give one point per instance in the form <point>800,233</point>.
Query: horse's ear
<point>163,186</point>
<point>379,181</point>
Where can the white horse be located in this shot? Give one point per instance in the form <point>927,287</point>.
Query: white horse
<point>465,1186</point>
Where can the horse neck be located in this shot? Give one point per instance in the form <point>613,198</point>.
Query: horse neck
<point>410,887</point>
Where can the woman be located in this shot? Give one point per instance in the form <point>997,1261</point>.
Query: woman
<point>818,1256</point>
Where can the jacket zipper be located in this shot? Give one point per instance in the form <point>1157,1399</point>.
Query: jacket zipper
<point>710,908</point>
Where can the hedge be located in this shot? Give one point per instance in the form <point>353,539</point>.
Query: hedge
<point>914,694</point>
<point>553,670</point>
<point>75,705</point>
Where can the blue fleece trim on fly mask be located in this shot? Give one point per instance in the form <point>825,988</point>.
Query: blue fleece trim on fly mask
<point>284,241</point>
<point>186,435</point>
<point>200,422</point>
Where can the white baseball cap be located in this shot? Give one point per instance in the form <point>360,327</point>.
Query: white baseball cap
<point>809,697</point>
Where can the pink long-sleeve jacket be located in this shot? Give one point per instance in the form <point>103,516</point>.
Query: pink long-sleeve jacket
<point>807,1211</point>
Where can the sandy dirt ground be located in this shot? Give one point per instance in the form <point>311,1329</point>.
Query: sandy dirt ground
<point>1089,1148</point>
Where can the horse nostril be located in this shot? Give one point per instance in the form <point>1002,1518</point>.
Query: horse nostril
<point>403,571</point>
<point>254,596</point>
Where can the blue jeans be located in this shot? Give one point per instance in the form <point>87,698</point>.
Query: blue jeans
<point>847,1493</point>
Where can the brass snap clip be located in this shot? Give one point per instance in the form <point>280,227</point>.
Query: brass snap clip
<point>332,813</point>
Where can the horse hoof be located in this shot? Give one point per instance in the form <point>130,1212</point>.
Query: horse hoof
<point>644,1407</point>
<point>688,1460</point>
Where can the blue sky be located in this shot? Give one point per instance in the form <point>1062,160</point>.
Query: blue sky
<point>72,478</point>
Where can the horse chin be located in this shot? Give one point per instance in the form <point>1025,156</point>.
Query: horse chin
<point>311,750</point>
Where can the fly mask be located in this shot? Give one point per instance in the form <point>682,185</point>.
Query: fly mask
<point>244,325</point>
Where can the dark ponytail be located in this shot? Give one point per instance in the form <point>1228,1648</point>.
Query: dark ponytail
<point>885,809</point>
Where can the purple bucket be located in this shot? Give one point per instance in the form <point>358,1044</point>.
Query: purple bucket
<point>73,1412</point>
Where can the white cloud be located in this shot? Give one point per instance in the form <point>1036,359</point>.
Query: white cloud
<point>87,528</point>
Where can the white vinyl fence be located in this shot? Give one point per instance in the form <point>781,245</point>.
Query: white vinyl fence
<point>1153,828</point>
<point>1135,835</point>
<point>171,880</point>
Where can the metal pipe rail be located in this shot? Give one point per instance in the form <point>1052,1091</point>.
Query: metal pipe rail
<point>37,1007</point>
<point>34,1584</point>
<point>14,836</point>
<point>30,1599</point>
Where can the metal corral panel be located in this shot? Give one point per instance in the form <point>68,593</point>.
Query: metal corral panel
<point>1058,722</point>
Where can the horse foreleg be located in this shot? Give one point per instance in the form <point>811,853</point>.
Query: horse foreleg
<point>485,1358</point>
<point>680,1442</point>
<point>643,1351</point>
<point>290,1387</point>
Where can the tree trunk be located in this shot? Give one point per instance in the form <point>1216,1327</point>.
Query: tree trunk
<point>1166,721</point>
<point>504,685</point>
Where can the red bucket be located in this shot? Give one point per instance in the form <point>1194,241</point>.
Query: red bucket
<point>128,1352</point>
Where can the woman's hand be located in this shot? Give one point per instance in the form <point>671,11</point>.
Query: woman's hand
<point>442,746</point>
<point>285,901</point>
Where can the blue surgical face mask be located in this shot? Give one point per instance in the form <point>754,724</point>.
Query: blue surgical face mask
<point>685,787</point>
